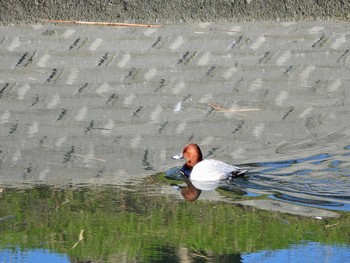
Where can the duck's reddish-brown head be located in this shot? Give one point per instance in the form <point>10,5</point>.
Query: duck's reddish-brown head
<point>193,154</point>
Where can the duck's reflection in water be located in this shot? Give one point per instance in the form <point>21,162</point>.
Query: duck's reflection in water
<point>189,192</point>
<point>193,189</point>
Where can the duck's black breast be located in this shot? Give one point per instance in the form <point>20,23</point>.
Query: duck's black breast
<point>186,170</point>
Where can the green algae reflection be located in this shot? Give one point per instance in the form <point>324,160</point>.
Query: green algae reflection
<point>129,223</point>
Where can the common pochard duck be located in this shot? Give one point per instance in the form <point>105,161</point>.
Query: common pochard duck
<point>198,169</point>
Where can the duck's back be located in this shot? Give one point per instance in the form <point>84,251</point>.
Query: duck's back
<point>212,170</point>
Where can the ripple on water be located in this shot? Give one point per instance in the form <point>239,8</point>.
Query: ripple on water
<point>320,180</point>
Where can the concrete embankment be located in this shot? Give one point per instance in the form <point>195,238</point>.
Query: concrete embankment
<point>31,11</point>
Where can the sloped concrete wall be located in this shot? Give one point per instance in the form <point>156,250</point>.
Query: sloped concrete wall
<point>28,11</point>
<point>105,105</point>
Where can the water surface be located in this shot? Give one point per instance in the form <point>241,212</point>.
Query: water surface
<point>148,223</point>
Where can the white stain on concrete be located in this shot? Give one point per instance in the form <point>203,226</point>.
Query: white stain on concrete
<point>128,100</point>
<point>16,156</point>
<point>207,141</point>
<point>284,58</point>
<point>288,24</point>
<point>306,112</point>
<point>5,117</point>
<point>332,115</point>
<point>200,32</point>
<point>177,43</point>
<point>150,74</point>
<point>231,110</point>
<point>43,61</point>
<point>60,141</point>
<point>124,60</point>
<point>258,43</point>
<point>68,33</point>
<point>54,101</point>
<point>316,29</point>
<point>306,72</point>
<point>107,129</point>
<point>134,143</point>
<point>233,30</point>
<point>14,44</point>
<point>96,44</point>
<point>206,98</point>
<point>37,26</point>
<point>149,31</point>
<point>204,25</point>
<point>104,88</point>
<point>81,114</point>
<point>162,155</point>
<point>72,77</point>
<point>181,127</point>
<point>258,130</point>
<point>229,72</point>
<point>179,87</point>
<point>334,86</point>
<point>238,153</point>
<point>22,91</point>
<point>177,107</point>
<point>339,41</point>
<point>43,174</point>
<point>204,60</point>
<point>256,85</point>
<point>282,143</point>
<point>156,113</point>
<point>281,98</point>
<point>33,129</point>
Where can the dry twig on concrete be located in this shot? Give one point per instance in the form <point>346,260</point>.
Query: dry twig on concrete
<point>219,108</point>
<point>101,23</point>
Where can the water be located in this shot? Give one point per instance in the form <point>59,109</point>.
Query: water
<point>309,252</point>
<point>141,223</point>
<point>90,117</point>
<point>320,180</point>
<point>35,255</point>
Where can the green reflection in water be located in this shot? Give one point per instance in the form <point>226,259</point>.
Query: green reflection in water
<point>134,223</point>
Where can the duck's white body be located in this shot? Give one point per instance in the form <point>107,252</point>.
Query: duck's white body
<point>212,170</point>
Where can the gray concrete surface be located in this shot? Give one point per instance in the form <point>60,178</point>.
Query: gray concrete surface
<point>293,209</point>
<point>92,104</point>
<point>19,11</point>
